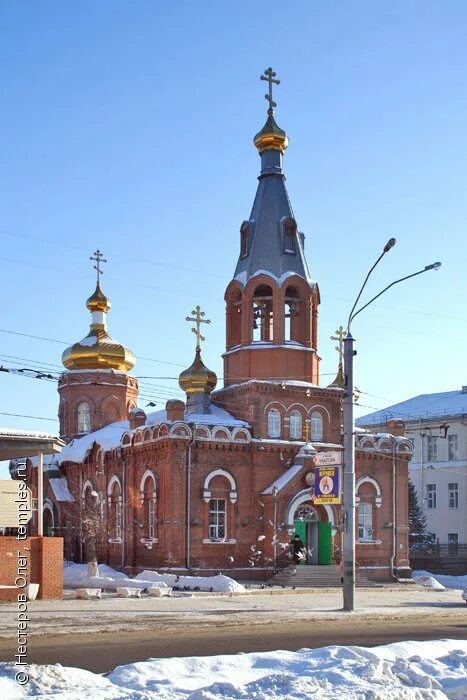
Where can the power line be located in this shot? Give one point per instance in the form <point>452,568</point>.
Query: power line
<point>21,415</point>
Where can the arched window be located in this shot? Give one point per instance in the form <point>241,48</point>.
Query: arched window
<point>292,314</point>
<point>84,417</point>
<point>316,427</point>
<point>295,425</point>
<point>274,423</point>
<point>148,500</point>
<point>263,321</point>
<point>365,522</point>
<point>219,490</point>
<point>289,228</point>
<point>234,328</point>
<point>48,520</point>
<point>116,510</point>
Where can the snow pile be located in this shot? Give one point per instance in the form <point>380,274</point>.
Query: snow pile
<point>219,584</point>
<point>439,580</point>
<point>76,576</point>
<point>430,582</point>
<point>435,670</point>
<point>155,577</point>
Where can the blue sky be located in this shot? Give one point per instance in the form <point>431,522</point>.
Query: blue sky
<point>128,126</point>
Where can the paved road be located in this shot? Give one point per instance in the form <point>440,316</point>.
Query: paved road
<point>102,652</point>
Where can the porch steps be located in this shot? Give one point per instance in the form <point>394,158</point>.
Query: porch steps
<point>314,576</point>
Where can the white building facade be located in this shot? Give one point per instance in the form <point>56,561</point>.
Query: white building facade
<point>437,426</point>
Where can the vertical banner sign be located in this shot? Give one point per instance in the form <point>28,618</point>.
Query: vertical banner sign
<point>327,484</point>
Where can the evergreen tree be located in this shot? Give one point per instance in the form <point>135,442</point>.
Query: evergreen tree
<point>419,539</point>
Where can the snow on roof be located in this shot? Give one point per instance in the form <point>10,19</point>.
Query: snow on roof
<point>267,345</point>
<point>61,490</point>
<point>108,438</point>
<point>287,382</point>
<point>284,479</point>
<point>218,416</point>
<point>425,406</point>
<point>88,341</point>
<point>34,435</point>
<point>242,276</point>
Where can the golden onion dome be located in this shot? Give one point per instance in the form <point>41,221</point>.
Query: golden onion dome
<point>271,137</point>
<point>98,301</point>
<point>98,350</point>
<point>197,379</point>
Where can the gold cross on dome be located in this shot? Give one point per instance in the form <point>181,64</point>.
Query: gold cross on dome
<point>198,320</point>
<point>99,258</point>
<point>270,75</point>
<point>340,335</point>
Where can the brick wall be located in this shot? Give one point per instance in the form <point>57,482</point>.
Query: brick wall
<point>44,565</point>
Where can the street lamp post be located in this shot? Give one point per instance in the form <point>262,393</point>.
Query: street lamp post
<point>349,429</point>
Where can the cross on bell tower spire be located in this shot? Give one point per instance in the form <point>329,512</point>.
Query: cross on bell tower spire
<point>270,76</point>
<point>99,258</point>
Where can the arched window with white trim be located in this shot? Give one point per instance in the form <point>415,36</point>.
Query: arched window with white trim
<point>84,417</point>
<point>295,425</point>
<point>148,502</point>
<point>274,423</point>
<point>220,492</point>
<point>316,427</point>
<point>115,509</point>
<point>365,522</point>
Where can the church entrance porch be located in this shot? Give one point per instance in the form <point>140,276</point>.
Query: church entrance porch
<point>316,534</point>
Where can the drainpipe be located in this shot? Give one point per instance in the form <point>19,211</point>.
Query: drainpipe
<point>80,481</point>
<point>394,543</point>
<point>40,494</point>
<point>188,498</point>
<point>274,494</point>
<point>123,509</point>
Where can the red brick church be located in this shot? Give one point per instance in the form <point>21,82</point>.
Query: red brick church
<point>221,481</point>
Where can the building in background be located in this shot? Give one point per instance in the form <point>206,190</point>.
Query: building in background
<point>437,426</point>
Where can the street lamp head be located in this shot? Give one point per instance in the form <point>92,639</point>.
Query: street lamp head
<point>390,244</point>
<point>433,266</point>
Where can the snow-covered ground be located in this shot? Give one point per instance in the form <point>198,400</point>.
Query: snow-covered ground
<point>439,581</point>
<point>403,671</point>
<point>76,576</point>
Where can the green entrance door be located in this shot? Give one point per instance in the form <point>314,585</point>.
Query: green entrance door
<point>324,543</point>
<point>317,538</point>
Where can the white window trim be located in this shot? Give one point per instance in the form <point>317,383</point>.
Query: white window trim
<point>369,480</point>
<point>148,474</point>
<point>233,495</point>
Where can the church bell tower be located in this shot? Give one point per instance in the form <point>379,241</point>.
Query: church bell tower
<point>271,302</point>
<point>96,389</point>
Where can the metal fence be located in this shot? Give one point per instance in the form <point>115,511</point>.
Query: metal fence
<point>441,558</point>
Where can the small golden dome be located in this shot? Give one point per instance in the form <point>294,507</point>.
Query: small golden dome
<point>271,137</point>
<point>197,379</point>
<point>98,351</point>
<point>98,301</point>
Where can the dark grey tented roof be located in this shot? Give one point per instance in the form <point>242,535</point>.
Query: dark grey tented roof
<point>266,245</point>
